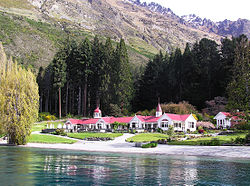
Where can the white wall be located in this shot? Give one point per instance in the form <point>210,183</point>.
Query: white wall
<point>222,118</point>
<point>137,122</point>
<point>190,119</point>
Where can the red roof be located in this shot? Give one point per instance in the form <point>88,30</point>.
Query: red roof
<point>158,109</point>
<point>97,110</point>
<point>177,117</point>
<point>84,121</point>
<point>110,120</point>
<point>232,116</point>
<point>121,119</point>
<point>226,113</point>
<point>152,119</point>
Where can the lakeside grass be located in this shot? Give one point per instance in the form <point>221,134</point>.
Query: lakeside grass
<point>93,135</point>
<point>37,138</point>
<point>197,141</point>
<point>147,137</point>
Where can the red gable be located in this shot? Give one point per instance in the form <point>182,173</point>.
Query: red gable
<point>97,110</point>
<point>226,113</point>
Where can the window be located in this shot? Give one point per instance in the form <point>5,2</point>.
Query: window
<point>179,125</point>
<point>99,126</point>
<point>164,123</point>
<point>191,124</point>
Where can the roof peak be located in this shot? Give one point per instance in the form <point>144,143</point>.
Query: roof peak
<point>158,109</point>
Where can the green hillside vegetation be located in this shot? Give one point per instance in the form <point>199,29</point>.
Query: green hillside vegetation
<point>21,4</point>
<point>34,43</point>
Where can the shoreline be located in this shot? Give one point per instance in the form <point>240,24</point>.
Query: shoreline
<point>119,145</point>
<point>178,150</point>
<point>173,150</point>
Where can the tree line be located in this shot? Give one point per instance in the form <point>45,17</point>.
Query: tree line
<point>84,75</point>
<point>202,72</point>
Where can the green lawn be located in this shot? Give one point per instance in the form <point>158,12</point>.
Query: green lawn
<point>93,135</point>
<point>197,141</point>
<point>42,125</point>
<point>146,137</point>
<point>37,138</point>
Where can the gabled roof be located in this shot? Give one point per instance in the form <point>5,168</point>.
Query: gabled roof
<point>229,115</point>
<point>226,113</point>
<point>177,117</point>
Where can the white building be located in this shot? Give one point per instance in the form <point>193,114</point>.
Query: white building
<point>224,120</point>
<point>182,123</point>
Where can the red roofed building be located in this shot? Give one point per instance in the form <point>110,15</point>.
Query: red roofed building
<point>138,122</point>
<point>226,120</point>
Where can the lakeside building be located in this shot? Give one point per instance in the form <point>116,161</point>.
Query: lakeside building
<point>181,123</point>
<point>226,120</point>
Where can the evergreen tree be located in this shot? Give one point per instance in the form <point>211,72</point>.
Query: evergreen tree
<point>150,84</point>
<point>19,100</point>
<point>85,54</point>
<point>238,88</point>
<point>122,77</point>
<point>59,73</point>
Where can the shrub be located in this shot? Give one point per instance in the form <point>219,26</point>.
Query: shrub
<point>243,126</point>
<point>201,131</point>
<point>46,116</point>
<point>248,137</point>
<point>59,132</point>
<point>239,140</point>
<point>132,131</point>
<point>159,130</point>
<point>50,118</point>
<point>69,115</point>
<point>149,145</point>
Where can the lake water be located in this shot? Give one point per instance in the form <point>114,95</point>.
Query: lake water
<point>30,166</point>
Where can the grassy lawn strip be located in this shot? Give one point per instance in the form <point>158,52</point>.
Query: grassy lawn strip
<point>37,138</point>
<point>198,141</point>
<point>93,135</point>
<point>146,137</point>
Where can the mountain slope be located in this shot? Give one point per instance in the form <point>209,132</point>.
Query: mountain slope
<point>145,31</point>
<point>224,28</point>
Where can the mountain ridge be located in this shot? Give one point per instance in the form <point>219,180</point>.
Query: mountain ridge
<point>226,28</point>
<point>145,31</point>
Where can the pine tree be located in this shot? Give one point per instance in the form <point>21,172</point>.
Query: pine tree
<point>85,54</point>
<point>59,73</point>
<point>238,88</point>
<point>123,77</point>
<point>19,100</point>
